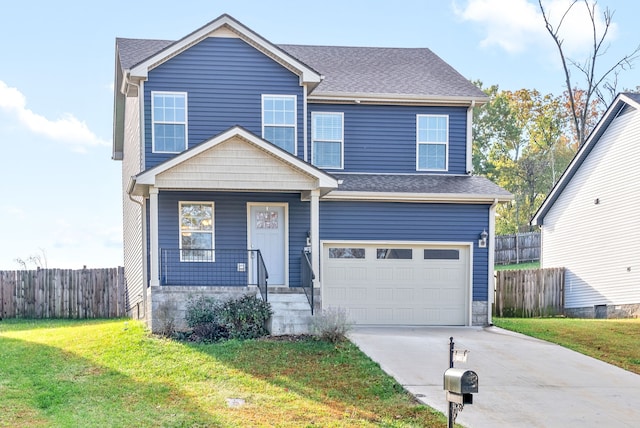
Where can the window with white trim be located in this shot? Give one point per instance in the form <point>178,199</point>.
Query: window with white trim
<point>432,142</point>
<point>196,232</point>
<point>279,121</point>
<point>169,121</point>
<point>327,136</point>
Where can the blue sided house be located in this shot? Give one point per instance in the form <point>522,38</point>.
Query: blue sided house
<point>313,176</point>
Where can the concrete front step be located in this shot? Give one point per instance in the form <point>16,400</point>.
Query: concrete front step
<point>291,313</point>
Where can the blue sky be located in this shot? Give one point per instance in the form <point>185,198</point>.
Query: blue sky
<point>59,189</point>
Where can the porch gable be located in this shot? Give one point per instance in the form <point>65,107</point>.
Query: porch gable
<point>235,160</point>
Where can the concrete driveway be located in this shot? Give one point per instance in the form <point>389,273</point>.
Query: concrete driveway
<point>523,382</point>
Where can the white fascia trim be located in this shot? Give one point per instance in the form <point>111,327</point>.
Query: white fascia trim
<point>413,197</point>
<point>307,74</point>
<point>356,97</point>
<point>578,159</point>
<point>324,180</point>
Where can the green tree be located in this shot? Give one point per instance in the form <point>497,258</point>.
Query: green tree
<point>520,143</point>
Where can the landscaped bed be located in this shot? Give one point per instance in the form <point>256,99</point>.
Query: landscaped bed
<point>112,373</point>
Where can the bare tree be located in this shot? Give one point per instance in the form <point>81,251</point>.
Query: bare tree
<point>38,260</point>
<point>595,84</point>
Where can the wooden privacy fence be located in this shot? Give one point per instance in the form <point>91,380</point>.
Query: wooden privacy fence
<point>62,293</point>
<point>518,248</point>
<point>529,293</point>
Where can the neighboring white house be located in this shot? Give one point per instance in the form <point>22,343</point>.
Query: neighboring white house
<point>591,219</point>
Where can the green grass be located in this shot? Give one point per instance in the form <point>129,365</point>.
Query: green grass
<point>517,266</point>
<point>614,341</point>
<point>112,373</point>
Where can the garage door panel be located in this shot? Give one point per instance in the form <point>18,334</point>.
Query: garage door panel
<point>414,291</point>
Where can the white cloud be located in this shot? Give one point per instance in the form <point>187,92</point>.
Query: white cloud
<point>13,211</point>
<point>576,29</point>
<point>68,129</point>
<point>516,25</point>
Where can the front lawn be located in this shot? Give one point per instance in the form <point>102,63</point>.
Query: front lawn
<point>518,266</point>
<point>614,341</point>
<point>112,373</point>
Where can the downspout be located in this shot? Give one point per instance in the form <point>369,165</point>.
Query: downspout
<point>469,169</point>
<point>304,123</point>
<point>140,89</point>
<point>141,163</point>
<point>491,259</point>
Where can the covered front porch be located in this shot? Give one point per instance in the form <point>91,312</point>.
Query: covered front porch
<point>235,213</point>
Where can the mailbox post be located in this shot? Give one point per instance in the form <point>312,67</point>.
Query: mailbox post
<point>460,385</point>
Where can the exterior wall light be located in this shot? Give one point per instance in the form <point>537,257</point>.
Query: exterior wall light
<point>482,242</point>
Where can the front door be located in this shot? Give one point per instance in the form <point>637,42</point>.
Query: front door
<point>268,233</point>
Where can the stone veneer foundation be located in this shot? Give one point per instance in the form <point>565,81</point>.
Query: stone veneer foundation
<point>605,311</point>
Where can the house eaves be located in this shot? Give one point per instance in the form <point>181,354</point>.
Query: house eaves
<point>612,112</point>
<point>409,99</point>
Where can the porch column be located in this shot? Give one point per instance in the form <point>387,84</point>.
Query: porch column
<point>153,237</point>
<point>315,235</point>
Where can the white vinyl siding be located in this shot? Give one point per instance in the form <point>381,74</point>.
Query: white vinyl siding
<point>279,121</point>
<point>169,121</point>
<point>132,222</point>
<point>599,243</point>
<point>327,140</point>
<point>432,145</point>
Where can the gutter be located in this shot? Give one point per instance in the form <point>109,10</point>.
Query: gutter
<point>377,98</point>
<point>416,197</point>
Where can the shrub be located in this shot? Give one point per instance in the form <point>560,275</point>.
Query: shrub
<point>241,318</point>
<point>331,325</point>
<point>202,310</point>
<point>246,317</point>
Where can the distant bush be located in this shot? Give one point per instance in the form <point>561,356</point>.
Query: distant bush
<point>331,325</point>
<point>214,320</point>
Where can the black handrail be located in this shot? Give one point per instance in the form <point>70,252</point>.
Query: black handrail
<point>262,276</point>
<point>306,271</point>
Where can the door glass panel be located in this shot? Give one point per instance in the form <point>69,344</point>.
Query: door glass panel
<point>442,254</point>
<point>346,253</point>
<point>267,220</point>
<point>394,253</point>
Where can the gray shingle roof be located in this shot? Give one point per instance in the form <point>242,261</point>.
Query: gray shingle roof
<point>633,95</point>
<point>134,51</point>
<point>421,183</point>
<point>367,70</point>
<point>360,70</point>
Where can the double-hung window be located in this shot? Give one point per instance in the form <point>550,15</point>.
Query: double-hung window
<point>327,139</point>
<point>196,232</point>
<point>279,121</point>
<point>432,142</point>
<point>169,117</point>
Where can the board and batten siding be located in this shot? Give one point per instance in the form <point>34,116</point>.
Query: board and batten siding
<point>593,228</point>
<point>392,221</point>
<point>382,138</point>
<point>132,211</point>
<point>230,221</point>
<point>225,79</point>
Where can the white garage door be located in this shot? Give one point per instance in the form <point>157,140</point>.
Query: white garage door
<point>397,284</point>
